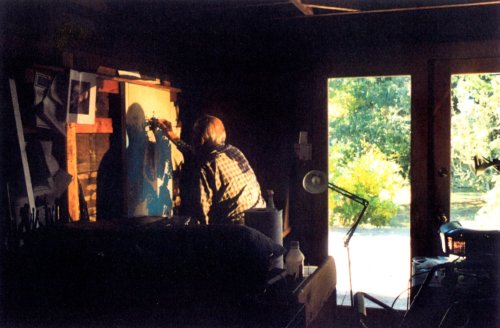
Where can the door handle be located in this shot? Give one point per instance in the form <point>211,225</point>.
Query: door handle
<point>442,218</point>
<point>443,172</point>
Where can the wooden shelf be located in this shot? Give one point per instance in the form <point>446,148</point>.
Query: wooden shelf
<point>110,84</point>
<point>147,83</point>
<point>101,125</point>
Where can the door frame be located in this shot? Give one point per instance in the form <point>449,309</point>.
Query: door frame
<point>440,147</point>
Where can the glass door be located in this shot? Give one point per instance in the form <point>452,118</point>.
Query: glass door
<point>475,148</point>
<point>466,127</point>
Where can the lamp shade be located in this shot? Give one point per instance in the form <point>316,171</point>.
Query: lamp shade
<point>315,182</point>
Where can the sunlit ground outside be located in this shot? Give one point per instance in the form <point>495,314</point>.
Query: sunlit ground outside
<point>376,258</point>
<point>380,261</point>
<point>380,257</point>
<point>467,208</point>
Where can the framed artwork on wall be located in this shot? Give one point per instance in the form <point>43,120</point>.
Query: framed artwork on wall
<point>81,105</point>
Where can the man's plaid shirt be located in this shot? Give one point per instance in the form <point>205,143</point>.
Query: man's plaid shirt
<point>228,186</point>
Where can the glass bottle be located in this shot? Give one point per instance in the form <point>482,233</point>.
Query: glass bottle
<point>294,261</point>
<point>270,200</point>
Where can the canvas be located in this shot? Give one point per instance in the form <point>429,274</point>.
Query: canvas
<point>150,156</point>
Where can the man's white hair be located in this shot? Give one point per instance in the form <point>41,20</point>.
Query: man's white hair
<point>209,129</point>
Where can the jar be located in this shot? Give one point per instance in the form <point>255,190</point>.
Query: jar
<point>294,261</point>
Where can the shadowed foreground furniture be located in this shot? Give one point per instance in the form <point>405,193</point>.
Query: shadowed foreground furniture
<point>150,274</point>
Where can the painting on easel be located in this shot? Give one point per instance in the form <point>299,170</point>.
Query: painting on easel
<point>150,157</point>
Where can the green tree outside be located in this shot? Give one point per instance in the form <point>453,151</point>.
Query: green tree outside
<point>475,132</point>
<point>369,142</point>
<point>475,128</point>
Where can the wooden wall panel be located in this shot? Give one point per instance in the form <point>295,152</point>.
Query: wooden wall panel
<point>72,169</point>
<point>91,149</point>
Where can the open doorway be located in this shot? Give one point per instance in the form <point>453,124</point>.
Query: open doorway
<point>369,124</point>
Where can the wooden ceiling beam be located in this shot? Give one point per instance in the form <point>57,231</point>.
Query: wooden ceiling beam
<point>333,8</point>
<point>458,4</point>
<point>337,5</point>
<point>388,5</point>
<point>303,8</point>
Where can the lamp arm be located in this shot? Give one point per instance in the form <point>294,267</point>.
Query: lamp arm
<point>358,200</point>
<point>348,194</point>
<point>351,230</point>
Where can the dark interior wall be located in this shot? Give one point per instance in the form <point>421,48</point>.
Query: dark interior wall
<point>265,79</point>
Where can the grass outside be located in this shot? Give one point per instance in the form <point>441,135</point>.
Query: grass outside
<point>463,207</point>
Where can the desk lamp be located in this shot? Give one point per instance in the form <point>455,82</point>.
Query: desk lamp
<point>316,182</point>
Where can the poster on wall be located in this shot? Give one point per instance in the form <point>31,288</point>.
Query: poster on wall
<point>50,92</point>
<point>150,156</point>
<point>81,104</point>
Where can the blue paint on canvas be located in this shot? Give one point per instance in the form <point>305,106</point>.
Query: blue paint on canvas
<point>149,168</point>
